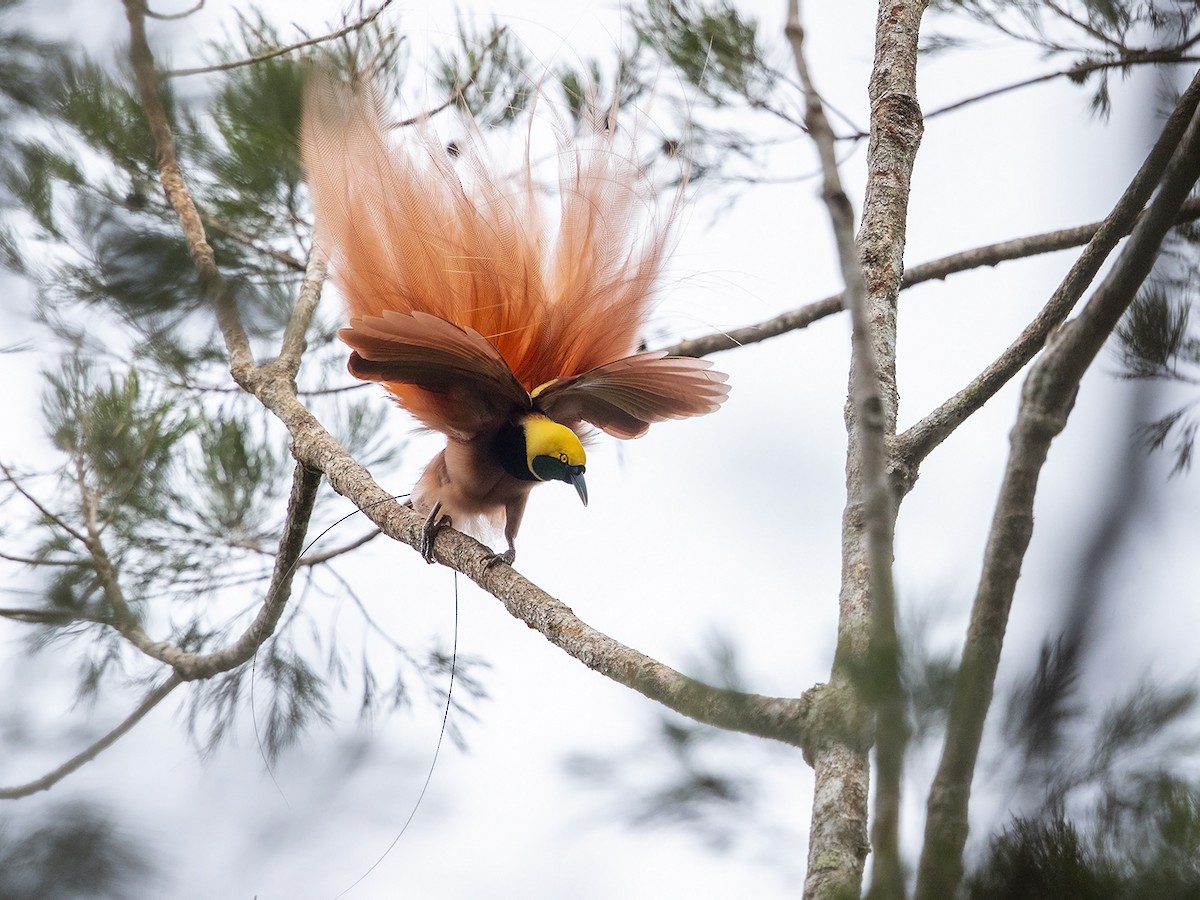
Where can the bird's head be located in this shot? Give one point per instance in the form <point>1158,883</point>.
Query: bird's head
<point>554,453</point>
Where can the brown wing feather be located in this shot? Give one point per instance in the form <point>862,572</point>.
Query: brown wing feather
<point>627,396</point>
<point>449,377</point>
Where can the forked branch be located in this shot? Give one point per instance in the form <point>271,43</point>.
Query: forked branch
<point>1047,399</point>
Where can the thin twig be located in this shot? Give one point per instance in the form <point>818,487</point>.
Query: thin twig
<point>37,504</point>
<point>280,256</point>
<point>316,559</point>
<point>172,17</point>
<point>1078,72</point>
<point>281,51</point>
<point>460,90</point>
<point>76,762</point>
<point>934,270</point>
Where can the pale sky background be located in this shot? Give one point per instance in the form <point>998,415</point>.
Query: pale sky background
<point>727,524</point>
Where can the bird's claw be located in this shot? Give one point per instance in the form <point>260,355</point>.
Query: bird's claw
<point>506,557</point>
<point>433,525</point>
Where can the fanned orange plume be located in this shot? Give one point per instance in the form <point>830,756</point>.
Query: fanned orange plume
<point>409,238</point>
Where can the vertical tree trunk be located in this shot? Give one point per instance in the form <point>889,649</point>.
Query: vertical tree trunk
<point>838,836</point>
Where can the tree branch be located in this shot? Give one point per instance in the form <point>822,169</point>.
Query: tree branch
<point>281,51</point>
<point>1076,72</point>
<point>460,90</point>
<point>77,761</point>
<point>316,559</point>
<point>781,719</point>
<point>280,256</point>
<point>194,666</point>
<point>294,343</point>
<point>40,507</point>
<point>1047,400</point>
<point>934,270</point>
<point>872,267</point>
<point>918,441</point>
<point>228,318</point>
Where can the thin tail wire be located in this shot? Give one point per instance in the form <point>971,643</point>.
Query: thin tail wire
<point>432,763</point>
<point>445,712</point>
<point>254,659</point>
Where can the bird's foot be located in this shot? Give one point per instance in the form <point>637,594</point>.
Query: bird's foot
<point>433,525</point>
<point>506,557</point>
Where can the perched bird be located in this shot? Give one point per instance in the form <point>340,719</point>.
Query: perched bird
<point>510,340</point>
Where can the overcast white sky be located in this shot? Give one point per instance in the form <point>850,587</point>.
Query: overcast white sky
<point>728,524</point>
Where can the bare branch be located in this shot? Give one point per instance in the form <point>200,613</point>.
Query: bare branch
<point>916,443</point>
<point>934,270</point>
<point>43,616</point>
<point>752,334</point>
<point>194,666</point>
<point>1075,72</point>
<point>460,90</point>
<point>316,559</point>
<point>177,193</point>
<point>867,603</point>
<point>279,256</point>
<point>40,507</point>
<point>282,51</point>
<point>171,17</point>
<point>294,343</point>
<point>1047,399</point>
<point>35,561</point>
<point>76,762</point>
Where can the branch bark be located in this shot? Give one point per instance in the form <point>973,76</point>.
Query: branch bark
<point>867,652</point>
<point>1047,399</point>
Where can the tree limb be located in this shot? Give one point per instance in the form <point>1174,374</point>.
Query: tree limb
<point>1047,400</point>
<point>177,193</point>
<point>872,268</point>
<point>934,270</point>
<point>316,559</point>
<point>77,761</point>
<point>1077,72</point>
<point>917,442</point>
<point>317,451</point>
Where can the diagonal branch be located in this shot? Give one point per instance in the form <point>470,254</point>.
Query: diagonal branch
<point>781,719</point>
<point>918,441</point>
<point>41,507</point>
<point>316,559</point>
<point>177,192</point>
<point>282,51</point>
<point>316,452</point>
<point>1047,399</point>
<point>294,343</point>
<point>77,761</point>
<point>1077,72</point>
<point>193,666</point>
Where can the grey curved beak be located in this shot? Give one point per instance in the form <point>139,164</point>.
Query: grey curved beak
<point>580,486</point>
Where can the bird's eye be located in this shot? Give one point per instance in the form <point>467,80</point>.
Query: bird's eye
<point>562,457</point>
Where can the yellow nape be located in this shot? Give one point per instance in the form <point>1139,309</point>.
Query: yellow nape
<point>545,437</point>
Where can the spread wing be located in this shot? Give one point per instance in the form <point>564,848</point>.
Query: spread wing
<point>627,396</point>
<point>450,378</point>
